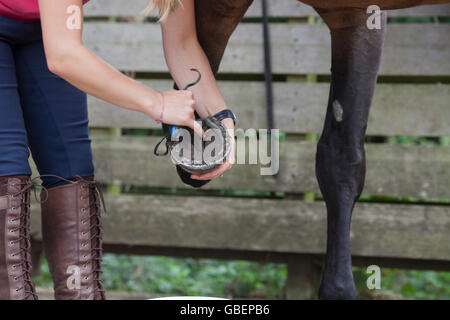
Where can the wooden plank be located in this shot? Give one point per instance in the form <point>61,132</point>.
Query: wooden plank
<point>415,49</point>
<point>442,10</point>
<point>392,170</point>
<point>397,109</point>
<point>296,9</point>
<point>287,226</point>
<point>279,8</point>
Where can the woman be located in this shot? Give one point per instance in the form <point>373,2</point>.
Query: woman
<point>45,73</point>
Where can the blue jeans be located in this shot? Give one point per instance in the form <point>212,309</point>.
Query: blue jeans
<point>39,111</point>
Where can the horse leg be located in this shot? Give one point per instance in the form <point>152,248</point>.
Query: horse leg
<point>216,20</point>
<point>340,159</point>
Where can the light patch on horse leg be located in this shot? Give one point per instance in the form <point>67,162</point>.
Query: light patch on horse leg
<point>337,111</point>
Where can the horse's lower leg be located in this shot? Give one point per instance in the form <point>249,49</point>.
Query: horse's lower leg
<point>216,20</point>
<point>340,163</point>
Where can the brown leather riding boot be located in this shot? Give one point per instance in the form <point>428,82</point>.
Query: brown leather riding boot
<point>15,256</point>
<point>72,234</point>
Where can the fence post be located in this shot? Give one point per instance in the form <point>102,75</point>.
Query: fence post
<point>36,254</point>
<point>116,187</point>
<point>303,278</point>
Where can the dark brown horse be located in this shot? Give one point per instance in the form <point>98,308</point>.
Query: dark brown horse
<point>340,161</point>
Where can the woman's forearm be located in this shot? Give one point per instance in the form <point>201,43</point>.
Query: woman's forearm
<point>84,70</point>
<point>71,60</point>
<point>181,57</point>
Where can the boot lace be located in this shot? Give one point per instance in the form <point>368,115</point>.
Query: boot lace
<point>96,231</point>
<point>24,237</point>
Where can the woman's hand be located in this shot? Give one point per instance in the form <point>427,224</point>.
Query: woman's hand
<point>179,110</point>
<point>228,163</point>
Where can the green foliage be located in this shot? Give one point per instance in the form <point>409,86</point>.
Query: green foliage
<point>413,140</point>
<point>206,277</point>
<point>43,279</point>
<point>419,284</point>
<point>411,20</point>
<point>187,277</point>
<point>409,284</point>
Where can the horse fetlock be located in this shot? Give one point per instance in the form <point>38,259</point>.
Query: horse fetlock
<point>340,172</point>
<point>337,156</point>
<point>338,291</point>
<point>338,284</point>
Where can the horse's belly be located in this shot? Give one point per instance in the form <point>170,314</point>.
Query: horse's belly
<point>363,4</point>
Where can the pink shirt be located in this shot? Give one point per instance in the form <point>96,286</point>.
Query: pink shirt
<point>22,10</point>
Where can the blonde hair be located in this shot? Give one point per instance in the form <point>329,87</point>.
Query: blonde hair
<point>166,7</point>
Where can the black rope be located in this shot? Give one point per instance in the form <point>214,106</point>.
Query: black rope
<point>268,76</point>
<point>267,66</point>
